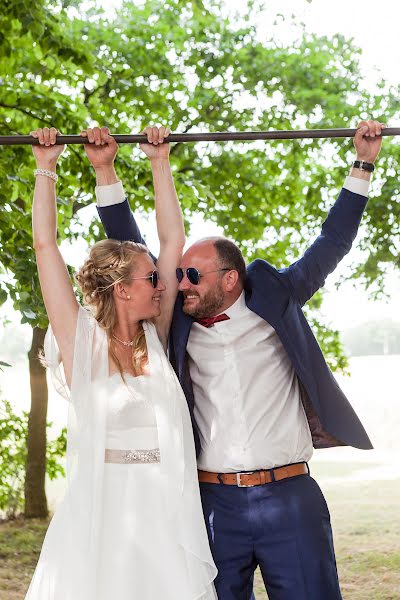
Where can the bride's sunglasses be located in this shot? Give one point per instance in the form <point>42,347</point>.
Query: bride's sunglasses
<point>194,275</point>
<point>154,278</point>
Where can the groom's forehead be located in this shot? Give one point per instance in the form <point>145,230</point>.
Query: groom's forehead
<point>201,252</point>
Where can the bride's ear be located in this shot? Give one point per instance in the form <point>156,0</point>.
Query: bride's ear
<point>121,292</point>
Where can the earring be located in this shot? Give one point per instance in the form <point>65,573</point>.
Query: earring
<point>128,297</point>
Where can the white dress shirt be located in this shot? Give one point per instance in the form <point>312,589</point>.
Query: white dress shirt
<point>247,399</point>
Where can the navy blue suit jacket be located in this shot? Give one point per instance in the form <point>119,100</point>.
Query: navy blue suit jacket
<point>277,296</point>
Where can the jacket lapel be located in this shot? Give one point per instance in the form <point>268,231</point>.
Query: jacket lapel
<point>181,324</point>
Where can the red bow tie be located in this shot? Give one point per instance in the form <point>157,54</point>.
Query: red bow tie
<point>209,321</point>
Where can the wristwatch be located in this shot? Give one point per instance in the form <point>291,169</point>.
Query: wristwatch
<point>364,166</point>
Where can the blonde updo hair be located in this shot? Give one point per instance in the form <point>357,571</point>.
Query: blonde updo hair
<point>111,262</point>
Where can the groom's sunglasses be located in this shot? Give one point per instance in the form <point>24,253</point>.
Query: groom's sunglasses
<point>194,275</point>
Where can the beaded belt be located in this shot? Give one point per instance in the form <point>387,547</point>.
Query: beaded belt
<point>128,457</point>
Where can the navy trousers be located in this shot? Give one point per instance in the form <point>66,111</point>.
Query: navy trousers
<point>282,527</point>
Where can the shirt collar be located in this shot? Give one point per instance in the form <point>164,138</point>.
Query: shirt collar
<point>238,308</point>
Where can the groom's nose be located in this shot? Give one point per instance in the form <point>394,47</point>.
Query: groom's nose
<point>184,284</point>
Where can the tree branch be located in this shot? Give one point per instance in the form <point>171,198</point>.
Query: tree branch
<point>25,112</point>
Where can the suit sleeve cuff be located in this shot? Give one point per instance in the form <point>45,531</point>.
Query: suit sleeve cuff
<point>355,185</point>
<point>107,195</point>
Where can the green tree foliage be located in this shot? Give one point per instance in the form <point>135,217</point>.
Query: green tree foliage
<point>183,63</point>
<point>41,58</point>
<point>13,432</point>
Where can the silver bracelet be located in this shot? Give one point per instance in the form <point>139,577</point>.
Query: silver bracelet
<point>47,173</point>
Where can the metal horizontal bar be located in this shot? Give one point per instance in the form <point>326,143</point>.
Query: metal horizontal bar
<point>243,136</point>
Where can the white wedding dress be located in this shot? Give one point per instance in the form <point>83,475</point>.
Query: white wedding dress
<point>125,530</point>
<point>137,549</point>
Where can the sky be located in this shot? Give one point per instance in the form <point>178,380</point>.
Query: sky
<point>373,27</point>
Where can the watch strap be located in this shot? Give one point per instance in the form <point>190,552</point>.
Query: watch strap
<point>364,166</point>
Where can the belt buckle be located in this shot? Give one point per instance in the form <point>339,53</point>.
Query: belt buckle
<point>238,476</point>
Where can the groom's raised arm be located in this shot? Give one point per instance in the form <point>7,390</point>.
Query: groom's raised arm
<point>340,228</point>
<point>115,213</point>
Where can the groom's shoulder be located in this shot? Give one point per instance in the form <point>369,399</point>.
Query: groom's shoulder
<point>261,274</point>
<point>261,266</point>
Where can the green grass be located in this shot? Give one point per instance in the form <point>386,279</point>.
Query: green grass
<point>366,525</point>
<point>366,521</point>
<point>20,543</point>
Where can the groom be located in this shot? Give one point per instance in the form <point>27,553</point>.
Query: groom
<point>259,390</point>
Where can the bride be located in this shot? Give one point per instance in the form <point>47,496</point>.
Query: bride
<point>130,525</point>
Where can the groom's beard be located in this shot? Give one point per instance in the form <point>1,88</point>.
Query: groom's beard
<point>208,305</point>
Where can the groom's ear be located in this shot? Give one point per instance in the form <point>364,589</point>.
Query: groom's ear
<point>230,280</point>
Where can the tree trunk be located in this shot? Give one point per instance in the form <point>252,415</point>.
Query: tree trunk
<point>35,495</point>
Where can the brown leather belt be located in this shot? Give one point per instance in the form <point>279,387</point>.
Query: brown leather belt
<point>252,478</point>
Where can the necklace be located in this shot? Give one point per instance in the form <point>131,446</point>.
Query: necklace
<point>126,344</point>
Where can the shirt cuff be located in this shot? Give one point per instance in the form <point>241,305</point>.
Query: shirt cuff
<point>107,195</point>
<point>355,185</point>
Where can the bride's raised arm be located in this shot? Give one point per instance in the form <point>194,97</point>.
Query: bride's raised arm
<point>101,153</point>
<point>170,226</point>
<point>58,294</point>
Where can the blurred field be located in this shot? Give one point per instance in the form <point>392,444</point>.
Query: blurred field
<point>365,517</point>
<point>366,525</point>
